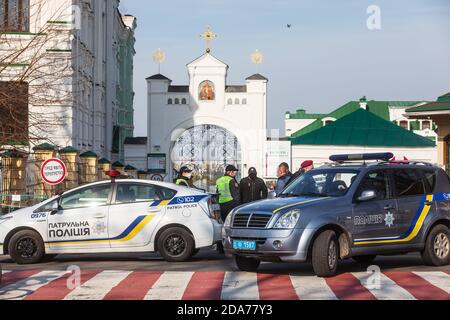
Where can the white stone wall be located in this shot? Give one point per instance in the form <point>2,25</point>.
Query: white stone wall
<point>85,36</point>
<point>294,125</point>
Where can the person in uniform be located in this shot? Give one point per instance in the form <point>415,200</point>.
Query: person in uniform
<point>306,166</point>
<point>185,177</point>
<point>252,188</point>
<point>228,189</point>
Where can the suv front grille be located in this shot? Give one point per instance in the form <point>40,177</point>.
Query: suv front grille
<point>251,220</point>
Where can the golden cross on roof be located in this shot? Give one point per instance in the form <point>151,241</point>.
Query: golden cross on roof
<point>208,35</point>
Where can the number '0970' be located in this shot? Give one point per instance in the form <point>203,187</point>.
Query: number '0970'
<point>39,215</point>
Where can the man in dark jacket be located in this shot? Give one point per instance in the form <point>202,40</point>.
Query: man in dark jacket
<point>253,188</point>
<point>284,176</point>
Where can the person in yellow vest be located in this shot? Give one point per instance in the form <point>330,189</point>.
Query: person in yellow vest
<point>185,177</point>
<point>228,189</point>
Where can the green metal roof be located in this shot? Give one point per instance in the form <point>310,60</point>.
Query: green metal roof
<point>67,150</point>
<point>104,161</point>
<point>430,107</point>
<point>302,114</point>
<point>45,147</point>
<point>444,98</point>
<point>363,128</point>
<point>117,164</point>
<point>379,108</point>
<point>88,154</point>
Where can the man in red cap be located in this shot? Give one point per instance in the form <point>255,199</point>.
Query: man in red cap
<point>306,166</point>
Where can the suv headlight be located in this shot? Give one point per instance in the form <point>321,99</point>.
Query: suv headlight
<point>288,220</point>
<point>227,222</point>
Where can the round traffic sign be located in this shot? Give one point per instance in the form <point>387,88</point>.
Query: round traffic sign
<point>53,171</point>
<point>157,177</point>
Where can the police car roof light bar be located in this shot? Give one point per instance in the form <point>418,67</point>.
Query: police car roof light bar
<point>362,157</point>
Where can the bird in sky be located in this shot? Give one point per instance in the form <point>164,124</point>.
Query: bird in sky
<point>289,25</point>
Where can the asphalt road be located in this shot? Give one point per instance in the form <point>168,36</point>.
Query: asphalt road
<point>208,260</point>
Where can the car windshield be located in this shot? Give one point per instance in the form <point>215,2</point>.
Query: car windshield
<point>322,183</point>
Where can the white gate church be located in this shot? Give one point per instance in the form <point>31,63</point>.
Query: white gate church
<point>208,124</point>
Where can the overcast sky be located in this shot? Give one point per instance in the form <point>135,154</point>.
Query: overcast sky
<point>327,58</point>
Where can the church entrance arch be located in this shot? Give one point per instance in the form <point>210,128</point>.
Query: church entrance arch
<point>207,149</point>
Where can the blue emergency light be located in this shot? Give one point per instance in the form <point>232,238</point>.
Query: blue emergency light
<point>362,157</point>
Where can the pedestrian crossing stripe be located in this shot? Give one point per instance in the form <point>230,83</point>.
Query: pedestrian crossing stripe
<point>230,286</point>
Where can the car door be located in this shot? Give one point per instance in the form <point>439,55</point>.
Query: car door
<point>373,219</point>
<point>411,193</point>
<point>135,212</point>
<point>81,221</point>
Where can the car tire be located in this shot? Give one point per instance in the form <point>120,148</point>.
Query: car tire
<point>247,264</point>
<point>437,247</point>
<point>364,260</point>
<point>325,254</point>
<point>26,247</point>
<point>176,245</point>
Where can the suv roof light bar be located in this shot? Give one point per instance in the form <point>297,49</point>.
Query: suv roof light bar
<point>362,157</point>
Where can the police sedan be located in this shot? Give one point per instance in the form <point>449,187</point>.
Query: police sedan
<point>114,216</point>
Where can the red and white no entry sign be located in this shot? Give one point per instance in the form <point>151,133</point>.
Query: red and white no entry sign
<point>53,171</point>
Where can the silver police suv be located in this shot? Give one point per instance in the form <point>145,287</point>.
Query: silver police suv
<point>358,207</point>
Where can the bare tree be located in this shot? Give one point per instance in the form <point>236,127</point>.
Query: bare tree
<point>36,73</point>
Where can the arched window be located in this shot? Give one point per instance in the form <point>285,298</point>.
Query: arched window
<point>404,124</point>
<point>170,101</point>
<point>177,101</point>
<point>183,101</point>
<point>236,101</point>
<point>244,101</point>
<point>230,101</point>
<point>207,92</point>
<point>426,125</point>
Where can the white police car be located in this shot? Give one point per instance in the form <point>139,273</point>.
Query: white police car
<point>114,216</point>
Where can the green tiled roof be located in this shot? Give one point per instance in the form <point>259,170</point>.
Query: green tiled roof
<point>363,128</point>
<point>379,108</point>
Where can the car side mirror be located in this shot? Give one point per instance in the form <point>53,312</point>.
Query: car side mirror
<point>56,208</point>
<point>367,195</point>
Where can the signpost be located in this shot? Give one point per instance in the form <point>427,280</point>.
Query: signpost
<point>53,171</point>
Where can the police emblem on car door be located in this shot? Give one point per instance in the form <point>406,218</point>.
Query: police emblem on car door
<point>81,221</point>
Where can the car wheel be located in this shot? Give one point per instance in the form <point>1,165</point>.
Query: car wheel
<point>437,247</point>
<point>325,254</point>
<point>26,247</point>
<point>364,260</point>
<point>247,264</point>
<point>176,245</point>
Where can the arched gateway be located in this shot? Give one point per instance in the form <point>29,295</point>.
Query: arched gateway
<point>207,149</point>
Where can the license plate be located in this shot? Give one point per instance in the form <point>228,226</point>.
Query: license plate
<point>244,245</point>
